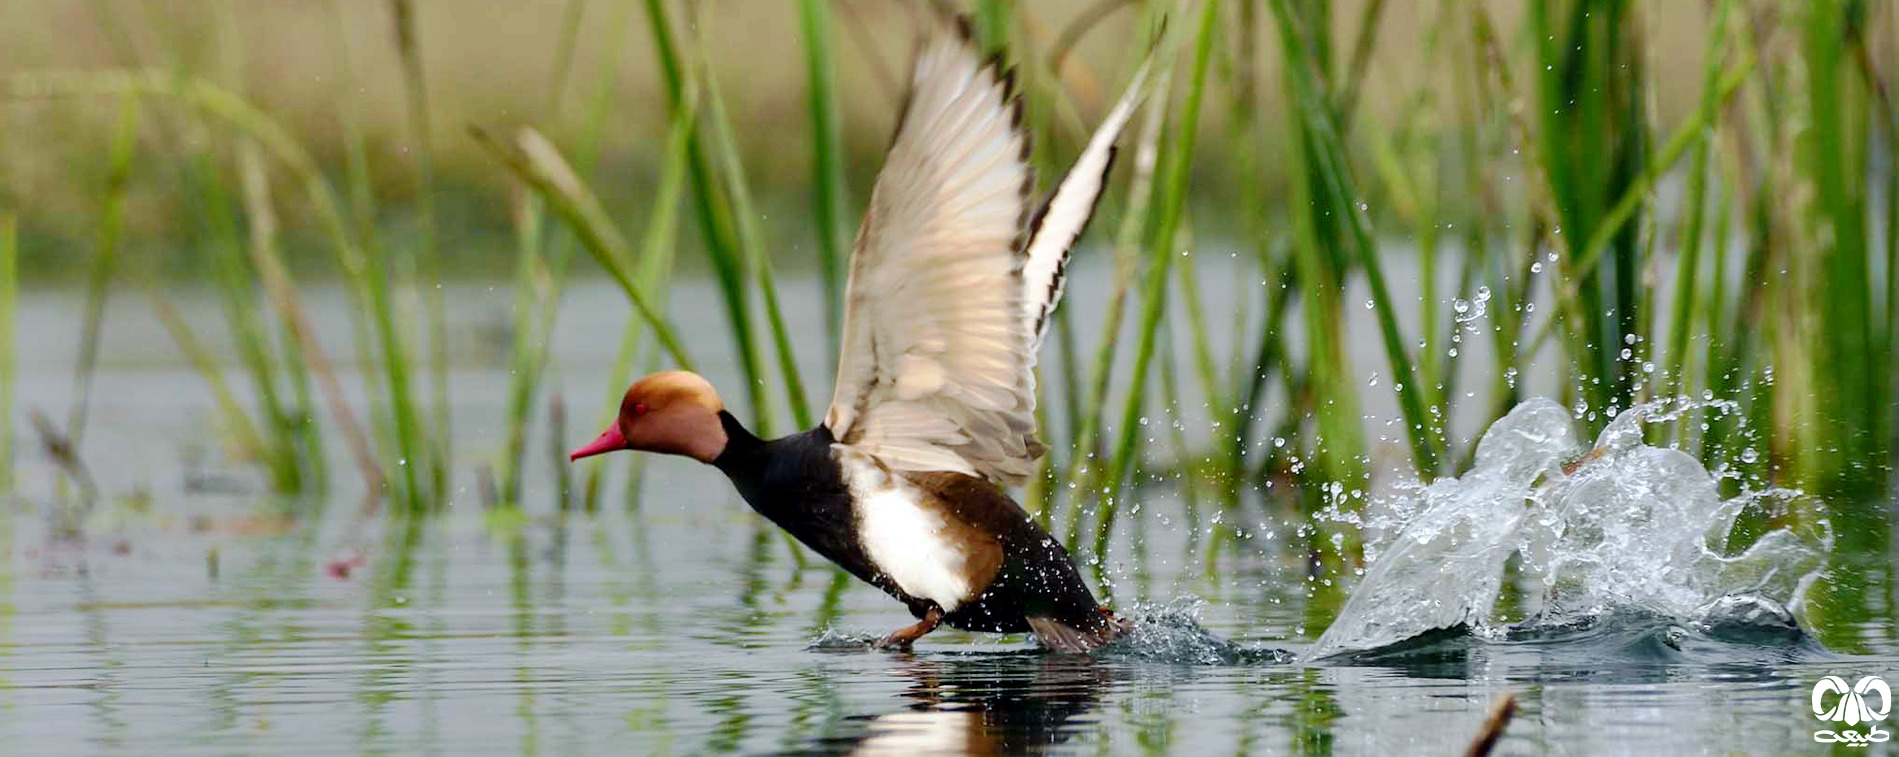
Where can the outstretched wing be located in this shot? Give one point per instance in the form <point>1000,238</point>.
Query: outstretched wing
<point>1065,215</point>
<point>935,371</point>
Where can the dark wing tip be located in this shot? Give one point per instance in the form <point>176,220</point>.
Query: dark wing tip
<point>965,26</point>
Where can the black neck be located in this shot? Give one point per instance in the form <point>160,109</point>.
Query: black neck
<point>740,442</point>
<point>781,478</point>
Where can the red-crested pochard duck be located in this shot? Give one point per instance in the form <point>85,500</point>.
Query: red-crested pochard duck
<point>952,279</point>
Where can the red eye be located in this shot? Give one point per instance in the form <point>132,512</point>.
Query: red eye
<point>640,408</point>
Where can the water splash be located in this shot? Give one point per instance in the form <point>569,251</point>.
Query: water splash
<point>1171,633</point>
<point>1625,528</point>
<point>834,639</point>
<point>1163,633</point>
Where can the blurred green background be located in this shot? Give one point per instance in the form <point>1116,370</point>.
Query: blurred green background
<point>492,64</point>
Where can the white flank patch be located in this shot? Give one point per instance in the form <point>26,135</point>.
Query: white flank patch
<point>908,542</point>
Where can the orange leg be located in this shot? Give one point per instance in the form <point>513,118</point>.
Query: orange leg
<point>902,637</point>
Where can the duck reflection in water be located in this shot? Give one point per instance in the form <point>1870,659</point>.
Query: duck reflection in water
<point>989,704</point>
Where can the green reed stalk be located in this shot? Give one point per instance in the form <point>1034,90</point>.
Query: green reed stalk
<point>1126,265</point>
<point>1714,306</point>
<point>105,254</point>
<point>302,358</point>
<point>657,250</point>
<point>1688,268</point>
<point>1334,193</point>
<point>1630,202</point>
<point>1850,441</point>
<point>1039,87</point>
<point>571,17</point>
<point>379,343</point>
<point>1891,108</point>
<point>277,449</point>
<point>1268,356</point>
<point>363,265</point>
<point>416,93</point>
<point>1041,82</point>
<point>1353,78</point>
<point>827,161</point>
<point>1327,377</point>
<point>1173,200</point>
<point>231,275</point>
<point>293,452</point>
<point>1324,211</point>
<point>1476,206</point>
<point>1249,388</point>
<point>716,225</point>
<point>9,308</point>
<point>992,23</point>
<point>1888,108</point>
<point>750,238</point>
<point>535,160</point>
<point>247,121</point>
<point>1212,389</point>
<point>1417,208</point>
<point>1589,108</point>
<point>409,449</point>
<point>1187,472</point>
<point>236,422</point>
<point>1740,328</point>
<point>1848,351</point>
<point>362,205</point>
<point>540,274</point>
<point>532,284</point>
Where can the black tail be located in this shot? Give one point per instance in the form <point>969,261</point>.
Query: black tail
<point>1084,637</point>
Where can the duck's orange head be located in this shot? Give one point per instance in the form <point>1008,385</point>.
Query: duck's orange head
<point>673,412</point>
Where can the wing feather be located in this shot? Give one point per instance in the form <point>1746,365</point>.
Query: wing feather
<point>1065,215</point>
<point>936,371</point>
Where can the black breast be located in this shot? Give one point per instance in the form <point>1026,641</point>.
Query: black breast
<point>795,482</point>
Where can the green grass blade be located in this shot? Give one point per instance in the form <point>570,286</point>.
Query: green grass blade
<point>300,335</point>
<point>9,309</point>
<point>1127,248</point>
<point>827,161</point>
<point>751,239</point>
<point>1688,268</point>
<point>1173,199</point>
<point>429,270</point>
<point>535,160</point>
<point>105,253</point>
<point>714,213</point>
<point>236,421</point>
<point>1338,195</point>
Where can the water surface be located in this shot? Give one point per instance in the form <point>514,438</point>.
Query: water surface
<point>198,615</point>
